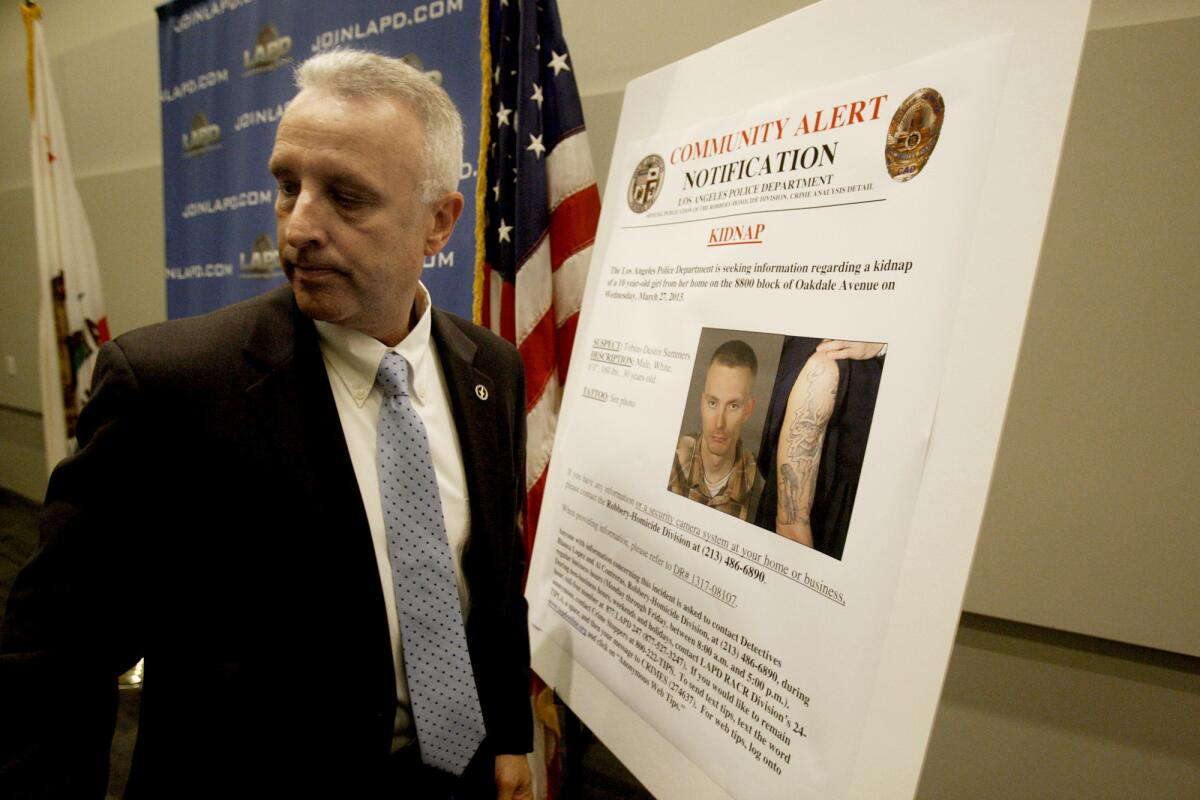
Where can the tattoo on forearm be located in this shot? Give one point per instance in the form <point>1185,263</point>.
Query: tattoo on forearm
<point>789,491</point>
<point>808,425</point>
<point>802,454</point>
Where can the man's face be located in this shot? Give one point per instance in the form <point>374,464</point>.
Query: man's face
<point>353,230</point>
<point>724,407</point>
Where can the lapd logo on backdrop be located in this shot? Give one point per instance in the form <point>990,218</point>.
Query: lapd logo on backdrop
<point>914,133</point>
<point>230,58</point>
<point>204,136</point>
<point>263,261</point>
<point>270,51</point>
<point>646,183</point>
<point>414,61</point>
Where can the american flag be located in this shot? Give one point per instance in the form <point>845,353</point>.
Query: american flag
<point>541,206</point>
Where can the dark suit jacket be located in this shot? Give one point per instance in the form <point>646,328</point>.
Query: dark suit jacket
<point>211,522</point>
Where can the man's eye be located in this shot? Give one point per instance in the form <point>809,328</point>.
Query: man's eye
<point>288,188</point>
<point>346,201</point>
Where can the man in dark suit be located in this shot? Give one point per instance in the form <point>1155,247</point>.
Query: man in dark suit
<point>222,516</point>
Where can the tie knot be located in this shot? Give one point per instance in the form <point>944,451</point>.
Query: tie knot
<point>393,374</point>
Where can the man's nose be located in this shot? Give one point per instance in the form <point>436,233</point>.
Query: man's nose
<point>304,226</point>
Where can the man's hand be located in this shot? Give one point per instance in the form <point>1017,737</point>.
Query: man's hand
<point>514,781</point>
<point>838,349</point>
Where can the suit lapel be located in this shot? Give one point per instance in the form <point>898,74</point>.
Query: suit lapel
<point>474,403</point>
<point>294,407</point>
<point>320,532</point>
<point>295,414</point>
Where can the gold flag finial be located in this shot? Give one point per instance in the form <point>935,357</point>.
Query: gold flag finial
<point>30,13</point>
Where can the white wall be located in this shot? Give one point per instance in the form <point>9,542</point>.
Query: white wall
<point>1092,483</point>
<point>1091,521</point>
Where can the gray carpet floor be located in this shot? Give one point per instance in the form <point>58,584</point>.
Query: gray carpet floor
<point>593,773</point>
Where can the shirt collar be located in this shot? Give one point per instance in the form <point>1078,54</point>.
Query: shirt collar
<point>355,356</point>
<point>740,474</point>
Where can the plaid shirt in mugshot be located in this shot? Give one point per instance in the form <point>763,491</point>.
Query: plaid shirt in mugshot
<point>741,492</point>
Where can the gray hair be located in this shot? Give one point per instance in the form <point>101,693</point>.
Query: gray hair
<point>353,74</point>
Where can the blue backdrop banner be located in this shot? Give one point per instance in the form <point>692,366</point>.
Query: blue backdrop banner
<point>226,75</point>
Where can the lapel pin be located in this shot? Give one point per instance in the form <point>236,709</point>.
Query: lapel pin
<point>481,391</point>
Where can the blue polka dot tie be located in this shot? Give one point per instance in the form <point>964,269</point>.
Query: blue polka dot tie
<point>441,686</point>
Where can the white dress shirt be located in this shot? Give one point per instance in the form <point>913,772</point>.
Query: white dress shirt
<point>352,359</point>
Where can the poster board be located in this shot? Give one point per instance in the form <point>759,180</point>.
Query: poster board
<point>1026,56</point>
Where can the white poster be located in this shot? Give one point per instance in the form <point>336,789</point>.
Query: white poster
<point>734,479</point>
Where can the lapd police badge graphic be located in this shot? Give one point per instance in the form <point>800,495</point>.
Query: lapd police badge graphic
<point>913,133</point>
<point>263,261</point>
<point>270,51</point>
<point>203,137</point>
<point>646,184</point>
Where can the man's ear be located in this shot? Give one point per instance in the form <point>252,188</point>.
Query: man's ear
<point>443,214</point>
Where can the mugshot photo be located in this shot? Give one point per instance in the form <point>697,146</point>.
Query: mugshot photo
<point>774,431</point>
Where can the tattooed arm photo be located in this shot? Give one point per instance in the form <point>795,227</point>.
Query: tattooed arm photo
<point>798,458</point>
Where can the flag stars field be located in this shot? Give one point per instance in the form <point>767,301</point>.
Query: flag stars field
<point>558,62</point>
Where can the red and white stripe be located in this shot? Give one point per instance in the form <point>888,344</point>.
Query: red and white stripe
<point>540,312</point>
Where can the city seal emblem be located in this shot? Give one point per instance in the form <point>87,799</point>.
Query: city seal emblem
<point>914,133</point>
<point>646,183</point>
